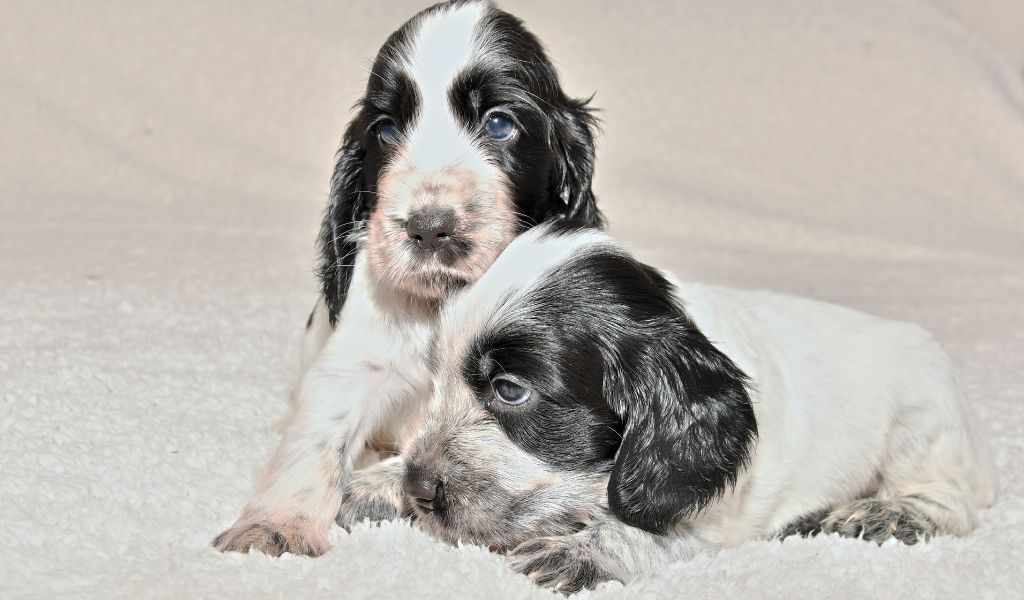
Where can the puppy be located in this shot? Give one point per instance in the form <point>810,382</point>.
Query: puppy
<point>463,139</point>
<point>594,419</point>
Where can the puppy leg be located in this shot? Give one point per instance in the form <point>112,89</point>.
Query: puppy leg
<point>374,494</point>
<point>868,518</point>
<point>362,376</point>
<point>937,474</point>
<point>605,550</point>
<point>910,512</point>
<point>924,492</point>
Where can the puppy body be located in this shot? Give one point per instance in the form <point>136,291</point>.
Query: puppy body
<point>463,139</point>
<point>848,406</point>
<point>662,418</point>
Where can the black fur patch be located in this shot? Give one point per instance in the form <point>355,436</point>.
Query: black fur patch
<point>568,423</point>
<point>549,164</point>
<point>623,381</point>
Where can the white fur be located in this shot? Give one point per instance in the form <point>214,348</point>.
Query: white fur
<point>445,44</point>
<point>848,406</point>
<point>370,371</point>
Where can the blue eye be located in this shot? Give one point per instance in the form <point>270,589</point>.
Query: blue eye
<point>509,391</point>
<point>499,128</point>
<point>387,131</point>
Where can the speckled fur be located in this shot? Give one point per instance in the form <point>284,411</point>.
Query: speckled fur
<point>879,520</point>
<point>374,494</point>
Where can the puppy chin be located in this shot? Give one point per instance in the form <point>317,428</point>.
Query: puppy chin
<point>434,284</point>
<point>478,529</point>
<point>432,277</point>
<point>485,513</point>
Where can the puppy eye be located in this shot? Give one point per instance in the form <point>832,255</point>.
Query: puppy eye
<point>509,391</point>
<point>499,128</point>
<point>387,131</point>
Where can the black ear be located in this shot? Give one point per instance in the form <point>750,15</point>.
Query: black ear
<point>688,421</point>
<point>572,131</point>
<point>343,220</point>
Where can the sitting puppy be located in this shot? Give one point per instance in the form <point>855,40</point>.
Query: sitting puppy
<point>593,419</point>
<point>463,139</point>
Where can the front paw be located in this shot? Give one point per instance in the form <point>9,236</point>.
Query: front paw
<point>566,564</point>
<point>273,539</point>
<point>372,508</point>
<point>373,494</point>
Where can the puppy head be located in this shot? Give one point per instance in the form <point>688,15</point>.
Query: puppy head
<point>463,139</point>
<point>570,381</point>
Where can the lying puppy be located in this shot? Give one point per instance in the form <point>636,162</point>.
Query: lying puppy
<point>463,139</point>
<point>593,419</point>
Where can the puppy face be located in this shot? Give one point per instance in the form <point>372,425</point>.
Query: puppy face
<point>483,488</point>
<point>570,381</point>
<point>462,140</point>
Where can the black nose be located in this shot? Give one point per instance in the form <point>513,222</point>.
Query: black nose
<point>426,490</point>
<point>431,228</point>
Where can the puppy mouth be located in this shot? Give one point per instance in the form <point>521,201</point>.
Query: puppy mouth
<point>441,280</point>
<point>430,251</point>
<point>497,536</point>
<point>441,271</point>
<point>493,531</point>
<point>457,249</point>
<point>434,519</point>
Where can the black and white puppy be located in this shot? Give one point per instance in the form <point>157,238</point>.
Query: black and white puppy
<point>463,139</point>
<point>593,418</point>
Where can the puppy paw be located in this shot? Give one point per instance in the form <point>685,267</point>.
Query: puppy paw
<point>878,520</point>
<point>373,494</point>
<point>565,564</point>
<point>369,506</point>
<point>272,539</point>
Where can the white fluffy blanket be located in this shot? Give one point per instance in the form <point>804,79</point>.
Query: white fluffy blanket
<point>163,167</point>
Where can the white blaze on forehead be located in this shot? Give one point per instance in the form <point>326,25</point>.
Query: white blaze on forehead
<point>443,46</point>
<point>520,268</point>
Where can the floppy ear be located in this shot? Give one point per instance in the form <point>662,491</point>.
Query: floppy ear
<point>344,217</point>
<point>573,143</point>
<point>688,423</point>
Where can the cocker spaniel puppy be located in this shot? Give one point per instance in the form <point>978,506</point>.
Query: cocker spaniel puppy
<point>463,139</point>
<point>593,418</point>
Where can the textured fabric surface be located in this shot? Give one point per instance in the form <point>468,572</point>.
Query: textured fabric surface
<point>163,167</point>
